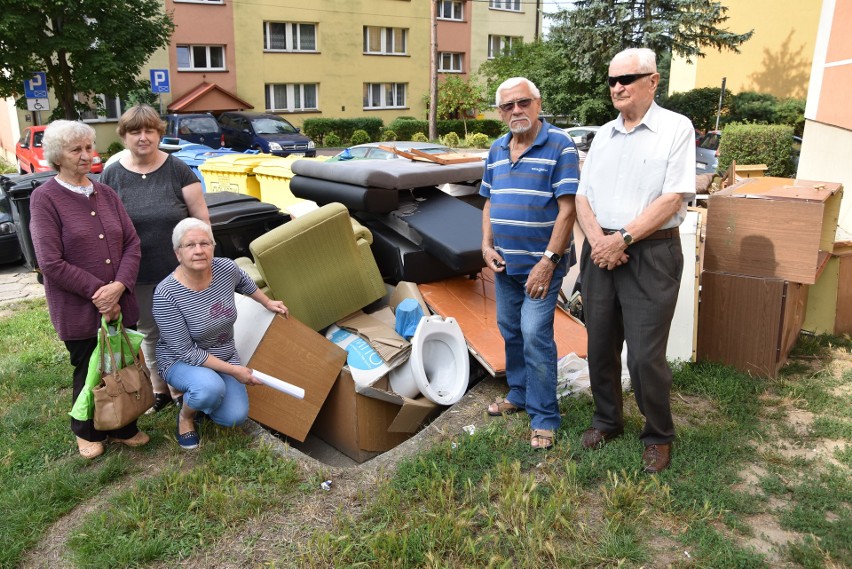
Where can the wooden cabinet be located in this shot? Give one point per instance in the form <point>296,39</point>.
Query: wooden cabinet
<point>750,323</point>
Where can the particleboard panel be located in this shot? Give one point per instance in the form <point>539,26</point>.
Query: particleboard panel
<point>764,238</point>
<point>843,324</point>
<point>739,322</point>
<point>472,303</point>
<point>829,193</point>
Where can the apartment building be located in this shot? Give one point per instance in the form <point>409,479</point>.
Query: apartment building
<point>326,58</point>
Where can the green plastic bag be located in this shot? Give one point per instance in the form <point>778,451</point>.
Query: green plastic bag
<point>84,406</point>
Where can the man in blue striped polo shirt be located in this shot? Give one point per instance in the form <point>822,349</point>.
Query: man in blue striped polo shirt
<point>530,179</point>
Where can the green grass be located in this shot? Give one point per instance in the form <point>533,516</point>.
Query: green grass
<point>484,500</point>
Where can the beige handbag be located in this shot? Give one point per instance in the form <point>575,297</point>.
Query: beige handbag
<point>125,393</point>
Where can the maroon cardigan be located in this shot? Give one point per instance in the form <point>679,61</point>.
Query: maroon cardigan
<point>82,244</point>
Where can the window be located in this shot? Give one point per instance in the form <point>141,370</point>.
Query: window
<point>498,45</point>
<point>102,108</point>
<point>450,10</point>
<point>450,62</point>
<point>285,36</point>
<point>201,58</point>
<point>291,97</point>
<point>385,41</point>
<point>513,5</point>
<point>384,95</point>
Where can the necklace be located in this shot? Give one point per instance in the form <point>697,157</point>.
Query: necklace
<point>147,171</point>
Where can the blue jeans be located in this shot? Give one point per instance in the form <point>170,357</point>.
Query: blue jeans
<point>219,395</point>
<point>526,325</point>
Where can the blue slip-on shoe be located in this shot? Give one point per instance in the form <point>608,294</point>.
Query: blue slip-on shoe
<point>187,441</point>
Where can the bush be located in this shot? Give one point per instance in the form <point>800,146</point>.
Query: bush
<point>451,139</point>
<point>388,136</point>
<point>318,129</point>
<point>478,140</point>
<point>359,137</point>
<point>331,139</point>
<point>419,137</point>
<point>405,128</point>
<point>114,148</point>
<point>769,144</point>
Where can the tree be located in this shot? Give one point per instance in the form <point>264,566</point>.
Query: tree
<point>700,105</point>
<point>84,46</point>
<point>458,98</point>
<point>595,30</point>
<point>562,91</point>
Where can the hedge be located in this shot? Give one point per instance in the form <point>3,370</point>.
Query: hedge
<point>317,129</point>
<point>406,128</point>
<point>770,144</point>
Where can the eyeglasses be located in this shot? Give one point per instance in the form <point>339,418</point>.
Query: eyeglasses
<point>508,107</point>
<point>626,79</point>
<point>202,244</point>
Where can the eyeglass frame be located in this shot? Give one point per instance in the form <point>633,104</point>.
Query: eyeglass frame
<point>626,79</point>
<point>509,106</point>
<point>202,244</point>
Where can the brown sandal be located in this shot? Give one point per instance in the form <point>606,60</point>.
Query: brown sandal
<point>502,407</point>
<point>542,439</point>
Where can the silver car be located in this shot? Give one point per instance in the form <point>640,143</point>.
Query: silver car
<point>707,153</point>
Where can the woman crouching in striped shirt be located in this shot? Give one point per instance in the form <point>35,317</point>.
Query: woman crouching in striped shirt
<point>195,311</point>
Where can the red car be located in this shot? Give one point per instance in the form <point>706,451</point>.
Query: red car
<point>30,155</point>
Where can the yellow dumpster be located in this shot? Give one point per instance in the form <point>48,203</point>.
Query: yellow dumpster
<point>274,177</point>
<point>233,173</point>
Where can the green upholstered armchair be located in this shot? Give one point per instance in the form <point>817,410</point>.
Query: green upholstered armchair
<point>320,265</point>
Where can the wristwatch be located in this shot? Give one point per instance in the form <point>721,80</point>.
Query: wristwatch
<point>628,239</point>
<point>554,257</point>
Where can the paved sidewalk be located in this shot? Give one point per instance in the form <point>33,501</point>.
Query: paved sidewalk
<point>18,282</point>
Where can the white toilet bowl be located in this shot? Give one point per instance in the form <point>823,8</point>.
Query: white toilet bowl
<point>438,366</point>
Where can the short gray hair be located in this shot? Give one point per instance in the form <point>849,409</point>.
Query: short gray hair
<point>646,59</point>
<point>186,225</point>
<point>60,134</point>
<point>514,82</point>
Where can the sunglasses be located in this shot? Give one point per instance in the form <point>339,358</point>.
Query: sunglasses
<point>626,79</point>
<point>522,104</point>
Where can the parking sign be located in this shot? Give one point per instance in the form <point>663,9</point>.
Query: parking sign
<point>36,88</point>
<point>160,81</point>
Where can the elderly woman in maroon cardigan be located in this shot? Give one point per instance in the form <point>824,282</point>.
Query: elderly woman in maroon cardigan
<point>88,253</point>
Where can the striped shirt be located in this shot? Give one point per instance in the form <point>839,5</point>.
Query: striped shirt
<point>523,196</point>
<point>195,324</point>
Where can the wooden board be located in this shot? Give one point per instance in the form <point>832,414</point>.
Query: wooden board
<point>472,303</point>
<point>843,322</point>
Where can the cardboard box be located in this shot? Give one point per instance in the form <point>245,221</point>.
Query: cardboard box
<point>360,426</point>
<point>293,352</point>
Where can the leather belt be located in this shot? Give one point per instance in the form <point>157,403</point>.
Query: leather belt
<point>672,233</point>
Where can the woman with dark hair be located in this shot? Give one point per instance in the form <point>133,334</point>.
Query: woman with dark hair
<point>158,191</point>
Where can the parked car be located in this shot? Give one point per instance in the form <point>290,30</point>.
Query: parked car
<point>371,150</point>
<point>266,132</point>
<point>707,153</point>
<point>200,128</point>
<point>578,132</point>
<point>30,156</point>
<point>10,248</point>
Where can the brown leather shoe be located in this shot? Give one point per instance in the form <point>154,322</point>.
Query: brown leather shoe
<point>594,438</point>
<point>656,458</point>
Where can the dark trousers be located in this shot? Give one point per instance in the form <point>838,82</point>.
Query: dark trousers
<point>634,302</point>
<point>80,351</point>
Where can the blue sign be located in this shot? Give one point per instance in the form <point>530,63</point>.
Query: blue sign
<point>160,81</point>
<point>36,88</point>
